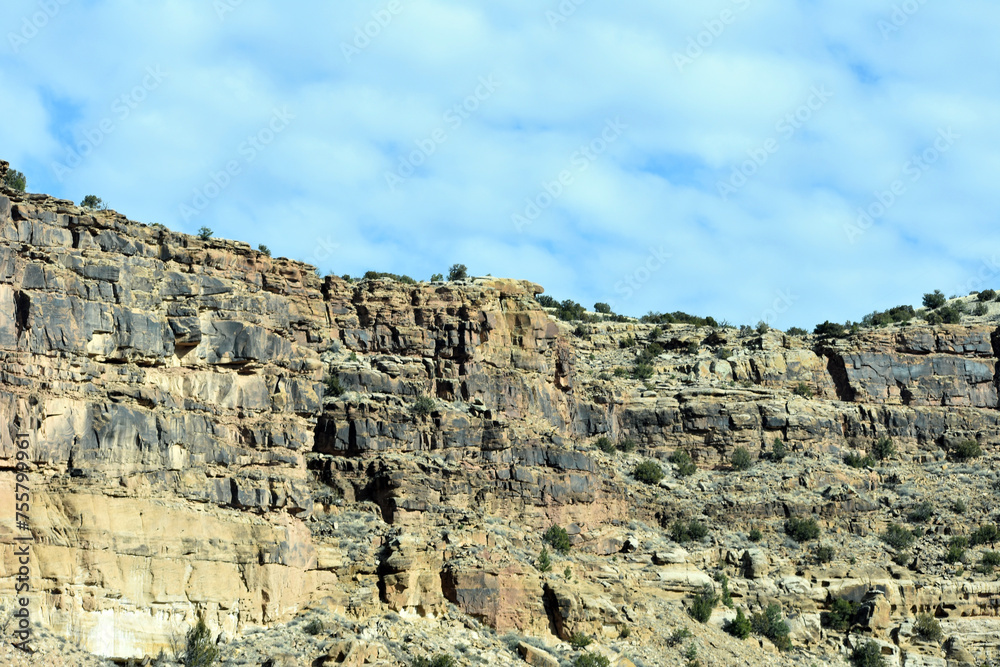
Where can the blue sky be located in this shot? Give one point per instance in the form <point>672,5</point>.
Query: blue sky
<point>746,159</point>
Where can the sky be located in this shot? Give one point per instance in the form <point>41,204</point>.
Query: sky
<point>786,161</point>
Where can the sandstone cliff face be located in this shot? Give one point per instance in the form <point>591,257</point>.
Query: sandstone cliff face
<point>190,458</point>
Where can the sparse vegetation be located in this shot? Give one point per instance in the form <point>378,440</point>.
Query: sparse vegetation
<point>741,459</point>
<point>264,250</point>
<point>986,534</point>
<point>779,450</point>
<point>648,472</point>
<point>898,537</point>
<point>15,180</point>
<point>579,640</point>
<point>858,461</point>
<point>199,649</point>
<point>959,507</point>
<point>605,445</point>
<point>868,655</point>
<point>437,277</point>
<point>934,299</point>
<point>841,614</point>
<point>591,660</point>
<point>770,624</point>
<point>603,308</point>
<point>204,233</point>
<point>457,272</point>
<point>626,446</point>
<point>681,459</point>
<point>920,512</point>
<point>965,450</point>
<point>94,203</point>
<point>439,660</point>
<point>928,628</point>
<point>801,530</point>
<point>987,295</point>
<point>755,535</point>
<point>333,386</point>
<point>990,560</point>
<point>830,330</point>
<point>544,561</point>
<point>702,604</point>
<point>824,553</point>
<point>740,626</point>
<point>797,331</point>
<point>423,406</point>
<point>687,531</point>
<point>558,539</point>
<point>678,637</point>
<point>376,275</point>
<point>883,449</point>
<point>803,390</point>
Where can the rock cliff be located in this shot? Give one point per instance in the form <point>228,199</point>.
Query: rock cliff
<point>215,432</point>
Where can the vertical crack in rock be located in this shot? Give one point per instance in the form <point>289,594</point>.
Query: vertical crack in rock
<point>22,309</point>
<point>838,373</point>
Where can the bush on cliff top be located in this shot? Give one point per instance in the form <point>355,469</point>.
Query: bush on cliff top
<point>15,180</point>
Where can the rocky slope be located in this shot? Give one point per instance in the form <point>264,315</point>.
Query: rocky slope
<point>215,432</point>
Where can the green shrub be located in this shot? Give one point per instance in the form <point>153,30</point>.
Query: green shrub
<point>920,512</point>
<point>423,406</point>
<point>458,272</point>
<point>591,660</point>
<point>980,310</point>
<point>437,278</point>
<point>762,327</point>
<point>883,449</point>
<point>580,640</point>
<point>678,636</point>
<point>928,628</point>
<point>692,347</point>
<point>603,308</point>
<point>264,250</point>
<point>779,450</point>
<point>687,531</point>
<point>544,561</point>
<point>314,627</point>
<point>956,550</point>
<point>15,180</point>
<point>94,203</point>
<point>439,660</point>
<point>725,597</point>
<point>199,650</point>
<point>803,390</point>
<point>204,233</point>
<point>959,507</point>
<point>868,654</point>
<point>702,604</point>
<point>333,386</point>
<point>858,461</point>
<point>797,331</point>
<point>642,371</point>
<point>986,534</point>
<point>801,530</point>
<point>769,624</point>
<point>825,554</point>
<point>965,450</point>
<point>741,459</point>
<point>755,534</point>
<point>841,615</point>
<point>830,330</point>
<point>648,472</point>
<point>376,275</point>
<point>934,299</point>
<point>627,445</point>
<point>681,459</point>
<point>986,295</point>
<point>558,539</point>
<point>605,445</point>
<point>990,560</point>
<point>898,537</point>
<point>739,627</point>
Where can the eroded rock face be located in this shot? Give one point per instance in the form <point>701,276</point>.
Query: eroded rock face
<point>189,455</point>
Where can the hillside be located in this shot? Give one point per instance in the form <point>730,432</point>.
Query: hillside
<point>336,472</point>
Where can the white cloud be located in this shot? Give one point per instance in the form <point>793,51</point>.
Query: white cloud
<point>323,178</point>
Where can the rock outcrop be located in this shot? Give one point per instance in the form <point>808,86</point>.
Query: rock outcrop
<point>215,432</point>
